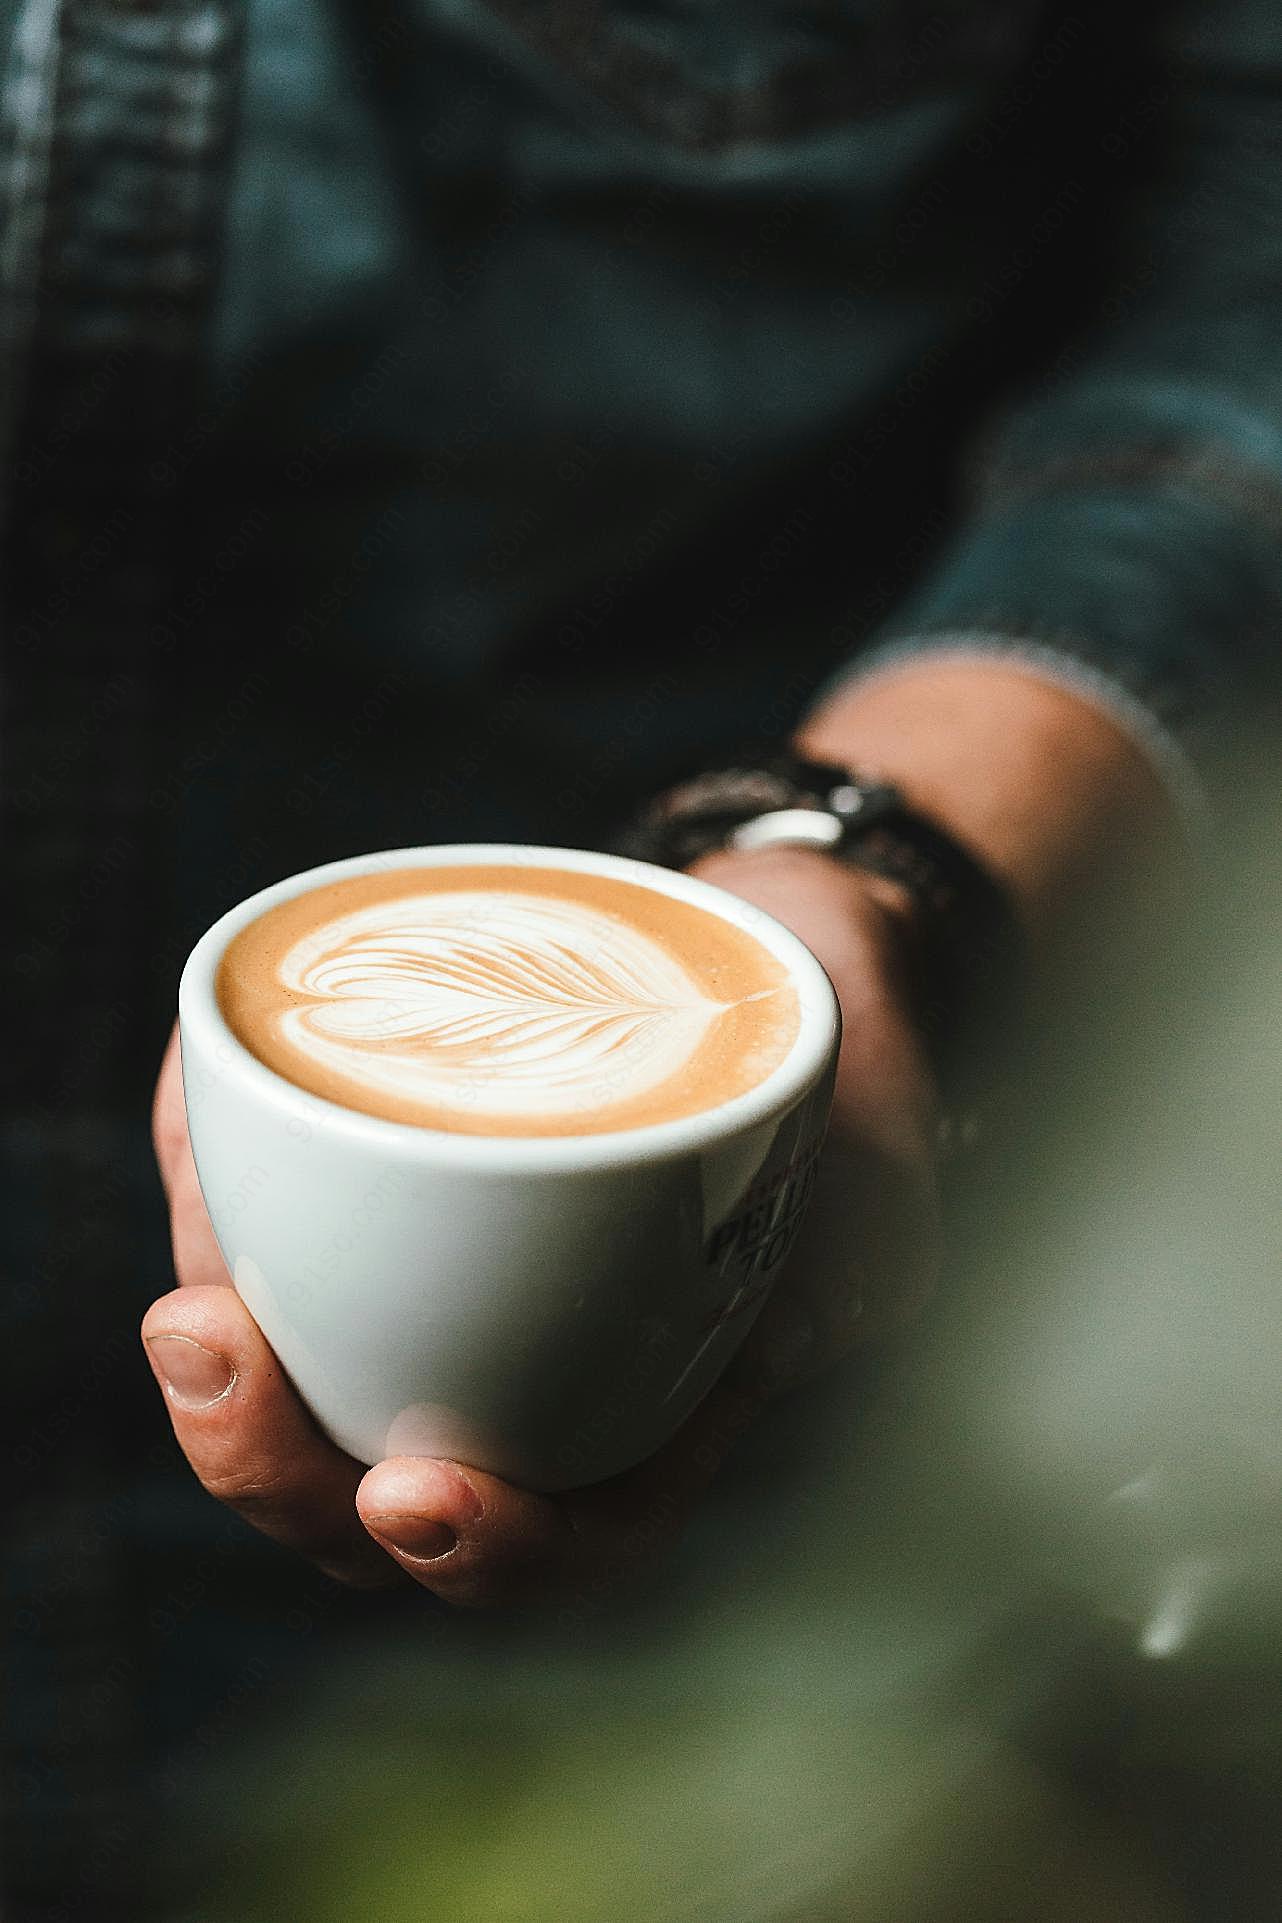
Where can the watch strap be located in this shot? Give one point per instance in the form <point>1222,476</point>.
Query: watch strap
<point>967,961</point>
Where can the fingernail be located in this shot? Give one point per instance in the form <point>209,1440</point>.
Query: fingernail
<point>194,1376</point>
<point>420,1484</point>
<point>416,1536</point>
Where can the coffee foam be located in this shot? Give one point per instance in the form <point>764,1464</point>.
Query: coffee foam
<point>507,1001</point>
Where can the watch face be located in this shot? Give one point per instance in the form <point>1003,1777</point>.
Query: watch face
<point>807,827</point>
<point>786,800</point>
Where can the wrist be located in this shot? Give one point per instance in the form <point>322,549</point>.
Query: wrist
<point>1038,784</point>
<point>948,924</point>
<point>861,929</point>
<point>818,875</point>
<point>849,917</point>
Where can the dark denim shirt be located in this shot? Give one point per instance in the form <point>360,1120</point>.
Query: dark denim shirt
<point>973,306</point>
<point>755,333</point>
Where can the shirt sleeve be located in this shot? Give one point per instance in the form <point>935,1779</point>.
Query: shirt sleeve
<point>1125,532</point>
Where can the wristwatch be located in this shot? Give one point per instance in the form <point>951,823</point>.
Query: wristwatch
<point>968,955</point>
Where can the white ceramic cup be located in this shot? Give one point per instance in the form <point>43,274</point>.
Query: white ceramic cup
<point>548,1308</point>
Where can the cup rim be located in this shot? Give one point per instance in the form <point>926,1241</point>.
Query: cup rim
<point>201,1020</point>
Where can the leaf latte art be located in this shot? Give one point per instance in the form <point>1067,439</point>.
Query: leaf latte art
<point>462,1000</point>
<point>507,1000</point>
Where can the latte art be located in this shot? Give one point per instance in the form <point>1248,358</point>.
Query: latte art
<point>501,1007</point>
<point>504,1000</point>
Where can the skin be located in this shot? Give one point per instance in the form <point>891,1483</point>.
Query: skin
<point>1059,803</point>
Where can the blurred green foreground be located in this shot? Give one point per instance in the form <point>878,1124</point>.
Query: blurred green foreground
<point>987,1631</point>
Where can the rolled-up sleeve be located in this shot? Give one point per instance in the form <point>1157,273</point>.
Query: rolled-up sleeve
<point>1124,531</point>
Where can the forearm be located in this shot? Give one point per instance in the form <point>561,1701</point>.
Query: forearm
<point>1037,781</point>
<point>1122,507</point>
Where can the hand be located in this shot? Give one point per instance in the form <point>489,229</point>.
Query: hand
<point>865,1260</point>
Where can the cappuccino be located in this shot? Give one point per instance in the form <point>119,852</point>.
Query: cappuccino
<point>499,999</point>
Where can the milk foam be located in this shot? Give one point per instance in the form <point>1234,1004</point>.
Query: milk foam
<point>494,1005</point>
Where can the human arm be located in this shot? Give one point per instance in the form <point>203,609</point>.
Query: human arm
<point>1122,527</point>
<point>1037,783</point>
<point>1041,695</point>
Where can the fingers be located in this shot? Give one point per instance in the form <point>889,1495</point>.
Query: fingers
<point>869,1249</point>
<point>237,1419</point>
<point>467,1536</point>
<point>477,1541</point>
<point>470,1537</point>
<point>249,1439</point>
<point>198,1260</point>
<point>865,1264</point>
